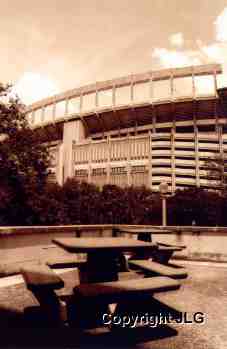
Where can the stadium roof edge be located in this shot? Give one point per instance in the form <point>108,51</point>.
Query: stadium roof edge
<point>163,74</point>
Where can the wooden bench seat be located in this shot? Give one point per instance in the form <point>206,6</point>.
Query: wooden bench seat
<point>41,277</point>
<point>150,267</point>
<point>42,282</point>
<point>9,269</point>
<point>181,247</point>
<point>114,291</point>
<point>168,248</point>
<point>64,262</point>
<point>164,253</point>
<point>92,300</point>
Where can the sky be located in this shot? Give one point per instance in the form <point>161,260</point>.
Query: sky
<point>50,46</point>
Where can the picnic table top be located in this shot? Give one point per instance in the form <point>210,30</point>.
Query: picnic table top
<point>102,243</point>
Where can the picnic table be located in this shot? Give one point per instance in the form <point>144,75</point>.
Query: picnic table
<point>103,255</point>
<point>99,283</point>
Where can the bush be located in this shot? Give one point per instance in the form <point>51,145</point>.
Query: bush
<point>84,203</point>
<point>80,201</point>
<point>195,204</point>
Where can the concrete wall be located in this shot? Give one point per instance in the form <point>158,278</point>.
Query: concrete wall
<point>29,244</point>
<point>204,246</point>
<point>26,243</point>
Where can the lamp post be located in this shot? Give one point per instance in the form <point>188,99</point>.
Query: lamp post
<point>163,188</point>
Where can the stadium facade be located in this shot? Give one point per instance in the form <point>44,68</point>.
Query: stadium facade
<point>142,129</point>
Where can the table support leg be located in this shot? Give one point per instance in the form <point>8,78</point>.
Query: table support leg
<point>86,313</point>
<point>162,257</point>
<point>144,237</point>
<point>100,267</point>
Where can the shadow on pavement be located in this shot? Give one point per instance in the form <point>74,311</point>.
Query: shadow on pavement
<point>16,332</point>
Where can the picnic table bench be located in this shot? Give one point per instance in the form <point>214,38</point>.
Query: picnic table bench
<point>42,282</point>
<point>118,291</point>
<point>164,251</point>
<point>150,267</point>
<point>159,265</point>
<point>92,299</point>
<point>64,262</point>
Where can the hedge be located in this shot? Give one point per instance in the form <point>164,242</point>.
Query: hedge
<point>84,203</point>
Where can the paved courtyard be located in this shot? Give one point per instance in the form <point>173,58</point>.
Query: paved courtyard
<point>205,291</point>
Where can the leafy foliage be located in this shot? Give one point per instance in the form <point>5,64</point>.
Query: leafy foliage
<point>83,203</point>
<point>217,171</point>
<point>196,205</point>
<point>23,160</point>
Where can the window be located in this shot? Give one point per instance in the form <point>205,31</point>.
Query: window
<point>118,170</point>
<point>98,171</point>
<point>138,169</point>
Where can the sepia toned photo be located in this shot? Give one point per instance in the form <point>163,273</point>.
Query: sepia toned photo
<point>113,174</point>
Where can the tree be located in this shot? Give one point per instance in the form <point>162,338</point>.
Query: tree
<point>195,204</point>
<point>217,171</point>
<point>24,160</point>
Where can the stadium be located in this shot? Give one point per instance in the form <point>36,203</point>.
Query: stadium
<point>141,129</point>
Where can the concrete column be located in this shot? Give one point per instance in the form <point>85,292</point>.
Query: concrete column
<point>151,96</point>
<point>73,131</point>
<point>129,182</point>
<point>43,115</point>
<point>215,83</point>
<point>132,90</point>
<point>197,169</point>
<point>196,141</point>
<point>216,116</point>
<point>114,97</point>
<point>33,117</point>
<point>54,112</point>
<point>171,80</point>
<point>153,120</point>
<point>164,211</point>
<point>66,107</point>
<point>193,86</point>
<point>59,169</point>
<point>150,161</point>
<point>151,90</point>
<point>89,162</point>
<point>173,160</point>
<point>220,139</point>
<point>108,168</point>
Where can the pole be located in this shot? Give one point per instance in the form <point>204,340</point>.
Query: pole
<point>164,211</point>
